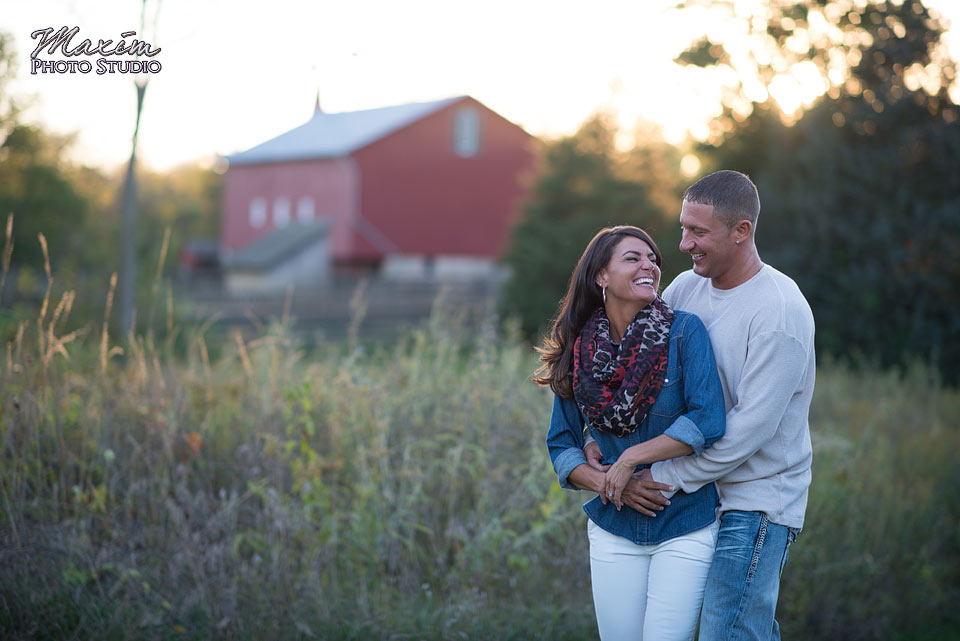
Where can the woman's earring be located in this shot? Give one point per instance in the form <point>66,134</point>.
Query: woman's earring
<point>604,288</point>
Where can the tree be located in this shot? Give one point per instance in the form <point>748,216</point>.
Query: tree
<point>128,274</point>
<point>585,184</point>
<point>9,108</point>
<point>185,200</point>
<point>35,188</point>
<point>867,55</point>
<point>859,195</point>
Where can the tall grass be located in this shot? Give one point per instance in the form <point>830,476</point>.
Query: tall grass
<point>397,492</point>
<point>348,494</point>
<point>880,552</point>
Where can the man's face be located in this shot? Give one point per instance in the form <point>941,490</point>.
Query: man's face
<point>709,241</point>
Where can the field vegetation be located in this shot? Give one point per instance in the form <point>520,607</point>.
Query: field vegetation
<point>155,487</point>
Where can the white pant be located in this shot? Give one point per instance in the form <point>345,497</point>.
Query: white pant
<point>651,592</point>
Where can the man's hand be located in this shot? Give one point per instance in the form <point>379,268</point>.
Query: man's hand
<point>643,494</point>
<point>594,456</point>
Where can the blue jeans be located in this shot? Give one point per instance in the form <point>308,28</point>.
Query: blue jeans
<point>740,600</point>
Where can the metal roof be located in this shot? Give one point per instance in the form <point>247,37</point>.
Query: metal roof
<point>281,244</point>
<point>331,135</point>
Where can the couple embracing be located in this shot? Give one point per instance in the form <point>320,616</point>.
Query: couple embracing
<point>687,415</point>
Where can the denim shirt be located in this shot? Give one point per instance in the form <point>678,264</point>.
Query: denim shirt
<point>689,409</point>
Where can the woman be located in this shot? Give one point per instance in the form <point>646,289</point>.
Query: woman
<point>643,378</point>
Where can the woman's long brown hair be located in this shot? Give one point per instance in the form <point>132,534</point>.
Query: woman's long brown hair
<point>582,297</point>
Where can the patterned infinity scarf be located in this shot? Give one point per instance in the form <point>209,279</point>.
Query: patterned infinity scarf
<point>615,393</point>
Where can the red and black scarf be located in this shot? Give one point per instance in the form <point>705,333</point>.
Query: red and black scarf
<point>615,390</point>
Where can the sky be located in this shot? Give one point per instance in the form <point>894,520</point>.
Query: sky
<point>235,73</point>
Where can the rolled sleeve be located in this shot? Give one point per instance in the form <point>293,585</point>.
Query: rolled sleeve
<point>686,431</point>
<point>565,440</point>
<point>566,462</point>
<point>702,391</point>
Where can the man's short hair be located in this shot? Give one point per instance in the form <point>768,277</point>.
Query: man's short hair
<point>733,196</point>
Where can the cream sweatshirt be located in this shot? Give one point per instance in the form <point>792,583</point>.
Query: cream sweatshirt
<point>762,337</point>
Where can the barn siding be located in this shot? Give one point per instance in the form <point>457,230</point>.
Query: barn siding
<point>430,201</point>
<point>328,181</point>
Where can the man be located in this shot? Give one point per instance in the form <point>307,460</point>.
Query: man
<point>761,329</point>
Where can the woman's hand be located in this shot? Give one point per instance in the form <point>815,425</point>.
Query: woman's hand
<point>639,491</point>
<point>616,479</point>
<point>594,456</point>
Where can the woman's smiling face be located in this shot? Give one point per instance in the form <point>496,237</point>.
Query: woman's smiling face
<point>632,275</point>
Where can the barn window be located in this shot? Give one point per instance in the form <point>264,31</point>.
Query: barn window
<point>305,210</point>
<point>281,212</point>
<point>466,133</point>
<point>258,213</point>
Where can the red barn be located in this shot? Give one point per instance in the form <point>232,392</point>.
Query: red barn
<point>416,190</point>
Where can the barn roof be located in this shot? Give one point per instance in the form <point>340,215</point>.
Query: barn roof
<point>330,135</point>
<point>277,246</point>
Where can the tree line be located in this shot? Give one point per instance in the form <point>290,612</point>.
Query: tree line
<point>860,195</point>
<point>861,204</point>
<point>78,210</point>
